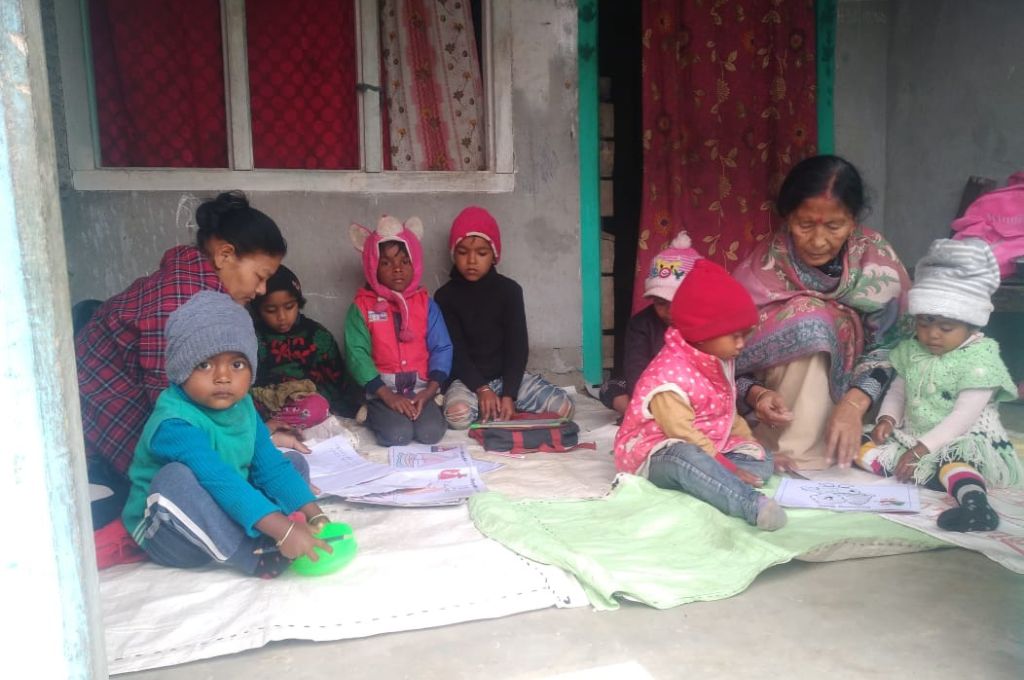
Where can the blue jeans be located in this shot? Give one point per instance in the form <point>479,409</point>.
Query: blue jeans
<point>185,527</point>
<point>688,468</point>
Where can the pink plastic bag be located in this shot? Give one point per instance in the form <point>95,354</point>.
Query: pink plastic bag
<point>998,218</point>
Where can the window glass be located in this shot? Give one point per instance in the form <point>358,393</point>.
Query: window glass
<point>302,83</point>
<point>159,77</point>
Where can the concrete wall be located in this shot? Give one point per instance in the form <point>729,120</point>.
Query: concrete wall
<point>114,237</point>
<point>862,60</point>
<point>955,108</point>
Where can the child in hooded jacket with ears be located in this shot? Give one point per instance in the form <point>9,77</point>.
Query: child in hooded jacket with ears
<point>396,344</point>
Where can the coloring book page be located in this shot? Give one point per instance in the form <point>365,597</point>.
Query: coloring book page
<point>842,496</point>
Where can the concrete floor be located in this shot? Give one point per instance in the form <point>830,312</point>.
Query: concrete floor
<point>942,614</point>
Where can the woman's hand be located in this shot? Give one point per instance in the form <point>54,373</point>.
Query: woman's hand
<point>489,405</point>
<point>882,430</point>
<point>770,408</point>
<point>845,425</point>
<point>907,464</point>
<point>396,402</point>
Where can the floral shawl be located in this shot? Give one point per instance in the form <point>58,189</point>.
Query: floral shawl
<point>856,317</point>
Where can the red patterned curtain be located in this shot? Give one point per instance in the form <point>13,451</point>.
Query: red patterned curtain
<point>159,77</point>
<point>728,108</point>
<point>433,93</point>
<point>302,83</point>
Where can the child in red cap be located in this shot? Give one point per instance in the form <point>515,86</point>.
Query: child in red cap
<point>486,318</point>
<point>681,428</point>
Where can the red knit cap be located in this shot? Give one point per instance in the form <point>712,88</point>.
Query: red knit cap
<point>710,303</point>
<point>475,221</point>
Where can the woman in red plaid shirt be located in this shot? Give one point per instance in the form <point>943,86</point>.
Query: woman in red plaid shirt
<point>121,351</point>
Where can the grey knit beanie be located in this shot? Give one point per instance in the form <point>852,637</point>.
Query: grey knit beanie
<point>208,324</point>
<point>956,279</point>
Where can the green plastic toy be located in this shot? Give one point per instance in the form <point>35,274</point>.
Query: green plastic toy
<point>342,539</point>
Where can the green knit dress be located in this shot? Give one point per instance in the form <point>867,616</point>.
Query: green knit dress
<point>932,385</point>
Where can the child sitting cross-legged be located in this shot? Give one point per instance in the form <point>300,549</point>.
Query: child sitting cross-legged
<point>681,428</point>
<point>396,344</point>
<point>207,484</point>
<point>486,318</point>
<point>939,422</point>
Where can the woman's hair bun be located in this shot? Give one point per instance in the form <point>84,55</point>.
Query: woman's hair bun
<point>209,214</point>
<point>230,218</point>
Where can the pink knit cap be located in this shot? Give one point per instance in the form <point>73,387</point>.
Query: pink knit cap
<point>475,221</point>
<point>669,266</point>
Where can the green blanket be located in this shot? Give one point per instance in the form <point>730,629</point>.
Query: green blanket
<point>665,548</point>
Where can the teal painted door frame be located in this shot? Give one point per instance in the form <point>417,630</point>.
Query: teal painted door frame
<point>590,201</point>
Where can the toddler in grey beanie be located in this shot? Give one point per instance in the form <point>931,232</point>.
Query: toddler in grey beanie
<point>208,324</point>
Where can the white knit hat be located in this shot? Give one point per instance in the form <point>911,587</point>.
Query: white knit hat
<point>956,280</point>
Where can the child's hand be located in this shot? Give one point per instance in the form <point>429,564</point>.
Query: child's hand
<point>289,439</point>
<point>397,403</point>
<point>316,518</point>
<point>423,396</point>
<point>300,541</point>
<point>882,430</point>
<point>907,464</point>
<point>418,401</point>
<point>771,409</point>
<point>489,404</point>
<point>783,463</point>
<point>508,408</point>
<point>748,477</point>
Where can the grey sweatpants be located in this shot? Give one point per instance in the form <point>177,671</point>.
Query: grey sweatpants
<point>184,527</point>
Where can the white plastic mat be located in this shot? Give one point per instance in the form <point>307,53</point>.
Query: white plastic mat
<point>1005,545</point>
<point>415,568</point>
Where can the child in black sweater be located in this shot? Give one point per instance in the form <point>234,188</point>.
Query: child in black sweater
<point>486,319</point>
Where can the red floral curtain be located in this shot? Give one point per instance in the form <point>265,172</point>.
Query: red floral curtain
<point>159,76</point>
<point>728,108</point>
<point>302,83</point>
<point>433,93</point>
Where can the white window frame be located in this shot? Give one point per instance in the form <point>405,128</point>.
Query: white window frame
<point>83,130</point>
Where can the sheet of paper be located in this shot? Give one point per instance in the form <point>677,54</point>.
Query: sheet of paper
<point>335,467</point>
<point>446,486</point>
<point>437,455</point>
<point>843,496</point>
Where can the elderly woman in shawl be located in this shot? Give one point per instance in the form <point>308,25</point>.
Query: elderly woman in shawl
<point>832,300</point>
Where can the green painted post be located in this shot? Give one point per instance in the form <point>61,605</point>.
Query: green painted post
<point>825,32</point>
<point>590,202</point>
